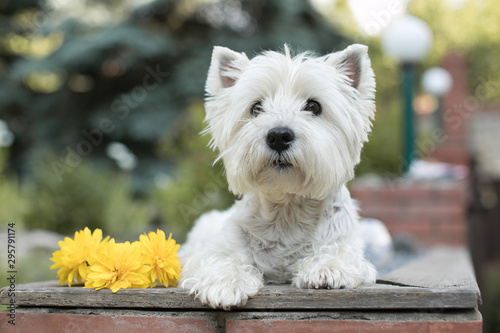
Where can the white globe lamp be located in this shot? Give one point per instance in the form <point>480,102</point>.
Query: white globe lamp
<point>436,81</point>
<point>408,40</point>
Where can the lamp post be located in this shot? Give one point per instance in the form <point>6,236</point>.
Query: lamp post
<point>408,40</point>
<point>437,82</point>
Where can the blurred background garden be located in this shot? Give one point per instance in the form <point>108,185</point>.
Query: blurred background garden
<point>101,102</point>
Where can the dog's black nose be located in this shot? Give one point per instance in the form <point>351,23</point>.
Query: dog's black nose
<point>280,138</point>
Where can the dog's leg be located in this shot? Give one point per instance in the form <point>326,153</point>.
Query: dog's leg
<point>334,266</point>
<point>217,268</point>
<point>221,279</point>
<point>337,259</point>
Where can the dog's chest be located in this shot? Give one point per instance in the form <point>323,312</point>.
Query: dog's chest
<point>277,261</point>
<point>277,245</point>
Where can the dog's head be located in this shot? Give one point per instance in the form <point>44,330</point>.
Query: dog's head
<point>290,124</point>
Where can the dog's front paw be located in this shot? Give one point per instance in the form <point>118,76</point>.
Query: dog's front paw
<point>326,278</point>
<point>329,272</point>
<point>224,295</point>
<point>225,291</point>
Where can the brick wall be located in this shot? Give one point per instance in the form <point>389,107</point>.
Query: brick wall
<point>117,321</point>
<point>434,213</point>
<point>457,106</point>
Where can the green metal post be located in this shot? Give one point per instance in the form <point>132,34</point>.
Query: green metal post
<point>439,112</point>
<point>408,116</point>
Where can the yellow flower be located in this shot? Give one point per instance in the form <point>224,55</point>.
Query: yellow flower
<point>161,255</point>
<point>116,266</point>
<point>72,259</point>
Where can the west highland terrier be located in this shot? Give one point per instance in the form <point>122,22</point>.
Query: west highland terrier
<point>289,130</point>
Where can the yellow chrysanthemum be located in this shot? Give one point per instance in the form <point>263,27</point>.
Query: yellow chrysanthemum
<point>161,255</point>
<point>72,259</point>
<point>116,266</point>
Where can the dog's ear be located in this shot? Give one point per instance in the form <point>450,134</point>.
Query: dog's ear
<point>225,69</point>
<point>355,64</point>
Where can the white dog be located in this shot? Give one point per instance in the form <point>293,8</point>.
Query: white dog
<point>289,131</point>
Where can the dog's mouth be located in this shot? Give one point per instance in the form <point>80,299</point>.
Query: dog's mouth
<point>281,164</point>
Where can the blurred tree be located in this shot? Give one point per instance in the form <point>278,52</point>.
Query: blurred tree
<point>470,27</point>
<point>76,77</point>
<point>381,153</point>
<point>13,206</point>
<point>88,197</point>
<point>455,29</point>
<point>248,26</point>
<point>196,185</point>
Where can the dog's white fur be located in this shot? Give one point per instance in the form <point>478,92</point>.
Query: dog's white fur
<point>296,224</point>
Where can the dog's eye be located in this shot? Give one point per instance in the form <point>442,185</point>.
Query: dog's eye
<point>256,109</point>
<point>313,106</point>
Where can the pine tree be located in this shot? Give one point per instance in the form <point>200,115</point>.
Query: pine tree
<point>75,78</point>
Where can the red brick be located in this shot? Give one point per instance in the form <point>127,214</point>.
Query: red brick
<point>453,239</point>
<point>362,194</point>
<point>452,218</point>
<point>389,196</point>
<point>352,326</point>
<point>49,323</point>
<point>453,226</point>
<point>415,194</point>
<point>443,154</point>
<point>424,209</point>
<point>435,213</point>
<point>449,220</point>
<point>380,211</point>
<point>456,195</point>
<point>444,238</point>
<point>417,229</point>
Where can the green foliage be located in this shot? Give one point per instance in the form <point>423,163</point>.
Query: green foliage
<point>125,217</point>
<point>484,72</point>
<point>197,185</point>
<point>381,154</point>
<point>13,204</point>
<point>39,258</point>
<point>32,267</point>
<point>86,197</point>
<point>491,295</point>
<point>90,71</point>
<point>479,42</point>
